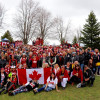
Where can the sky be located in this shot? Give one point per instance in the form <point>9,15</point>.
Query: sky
<point>76,11</point>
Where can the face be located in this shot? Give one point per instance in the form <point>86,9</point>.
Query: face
<point>90,61</point>
<point>2,70</point>
<point>23,56</point>
<point>56,66</point>
<point>13,76</point>
<point>68,64</point>
<point>77,67</point>
<point>2,57</point>
<point>62,68</point>
<point>44,55</point>
<point>52,75</point>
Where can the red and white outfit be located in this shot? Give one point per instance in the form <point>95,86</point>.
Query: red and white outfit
<point>52,83</point>
<point>23,60</point>
<point>34,62</point>
<point>65,78</point>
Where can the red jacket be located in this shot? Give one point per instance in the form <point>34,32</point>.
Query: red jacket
<point>11,61</point>
<point>65,75</point>
<point>23,60</point>
<point>14,81</point>
<point>80,74</point>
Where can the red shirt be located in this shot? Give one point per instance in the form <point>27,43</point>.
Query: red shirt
<point>65,75</point>
<point>80,74</point>
<point>23,60</point>
<point>34,62</point>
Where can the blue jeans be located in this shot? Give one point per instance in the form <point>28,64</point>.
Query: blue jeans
<point>0,84</point>
<point>82,67</point>
<point>19,90</point>
<point>47,89</point>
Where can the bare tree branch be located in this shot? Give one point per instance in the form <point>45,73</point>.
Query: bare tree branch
<point>26,20</point>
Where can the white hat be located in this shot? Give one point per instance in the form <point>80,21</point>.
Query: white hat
<point>13,66</point>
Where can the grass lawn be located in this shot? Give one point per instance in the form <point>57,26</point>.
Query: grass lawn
<point>70,93</point>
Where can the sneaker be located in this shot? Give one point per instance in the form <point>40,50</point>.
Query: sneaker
<point>78,85</point>
<point>34,91</point>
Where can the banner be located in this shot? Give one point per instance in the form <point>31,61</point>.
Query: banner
<point>25,75</point>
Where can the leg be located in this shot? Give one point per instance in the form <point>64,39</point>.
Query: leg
<point>2,90</point>
<point>82,67</point>
<point>19,90</point>
<point>92,81</point>
<point>12,86</point>
<point>64,82</point>
<point>73,79</point>
<point>0,84</point>
<point>41,89</point>
<point>48,89</point>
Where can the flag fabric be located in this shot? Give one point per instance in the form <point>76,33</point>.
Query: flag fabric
<point>25,75</point>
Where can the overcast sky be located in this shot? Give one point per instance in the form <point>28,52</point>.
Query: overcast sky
<point>75,10</point>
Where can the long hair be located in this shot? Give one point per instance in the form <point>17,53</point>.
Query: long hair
<point>51,76</point>
<point>78,67</point>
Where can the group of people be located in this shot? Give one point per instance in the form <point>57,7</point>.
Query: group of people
<point>69,64</point>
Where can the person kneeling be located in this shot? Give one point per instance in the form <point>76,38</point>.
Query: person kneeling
<point>63,77</point>
<point>77,75</point>
<point>11,84</point>
<point>51,84</point>
<point>89,76</point>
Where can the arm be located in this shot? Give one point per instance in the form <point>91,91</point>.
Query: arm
<point>57,88</point>
<point>46,86</point>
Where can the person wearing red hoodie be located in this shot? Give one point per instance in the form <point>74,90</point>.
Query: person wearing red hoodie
<point>63,77</point>
<point>23,59</point>
<point>77,75</point>
<point>34,61</point>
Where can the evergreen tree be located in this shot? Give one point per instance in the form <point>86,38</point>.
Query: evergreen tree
<point>8,36</point>
<point>91,32</point>
<point>75,40</point>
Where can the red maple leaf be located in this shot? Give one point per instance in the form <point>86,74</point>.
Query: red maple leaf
<point>34,75</point>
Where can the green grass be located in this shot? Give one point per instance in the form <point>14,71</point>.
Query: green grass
<point>70,93</point>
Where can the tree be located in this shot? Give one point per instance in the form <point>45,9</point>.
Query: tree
<point>44,23</point>
<point>8,36</point>
<point>75,40</point>
<point>59,29</point>
<point>26,21</point>
<point>79,35</point>
<point>2,13</point>
<point>61,32</point>
<point>91,32</point>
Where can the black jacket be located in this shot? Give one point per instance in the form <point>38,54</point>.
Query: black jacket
<point>2,63</point>
<point>89,74</point>
<point>81,59</point>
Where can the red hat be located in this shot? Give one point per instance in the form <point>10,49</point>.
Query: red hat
<point>2,68</point>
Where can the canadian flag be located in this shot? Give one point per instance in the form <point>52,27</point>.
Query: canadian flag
<point>25,75</point>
